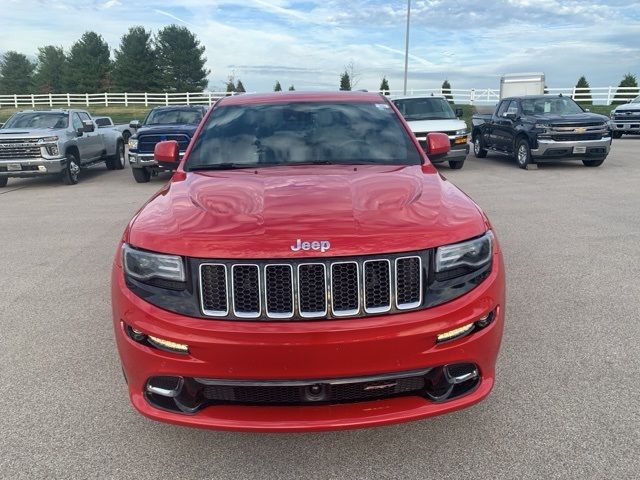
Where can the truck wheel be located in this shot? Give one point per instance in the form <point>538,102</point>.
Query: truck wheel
<point>3,181</point>
<point>119,156</point>
<point>523,153</point>
<point>617,134</point>
<point>142,175</point>
<point>456,164</point>
<point>71,172</point>
<point>593,163</point>
<point>478,147</point>
<point>125,136</point>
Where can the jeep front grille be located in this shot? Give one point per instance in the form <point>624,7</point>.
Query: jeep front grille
<point>312,289</point>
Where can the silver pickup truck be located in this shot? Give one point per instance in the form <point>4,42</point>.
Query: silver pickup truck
<point>56,142</point>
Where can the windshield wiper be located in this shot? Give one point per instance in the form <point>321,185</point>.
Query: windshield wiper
<point>220,166</point>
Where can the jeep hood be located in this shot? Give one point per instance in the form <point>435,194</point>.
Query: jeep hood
<point>253,213</point>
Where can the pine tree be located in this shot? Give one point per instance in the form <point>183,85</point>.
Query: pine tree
<point>88,65</point>
<point>345,81</point>
<point>583,96</point>
<point>50,71</point>
<point>623,96</point>
<point>446,91</point>
<point>277,87</point>
<point>292,88</point>
<point>240,87</point>
<point>181,60</point>
<point>384,86</point>
<point>16,73</point>
<point>135,68</point>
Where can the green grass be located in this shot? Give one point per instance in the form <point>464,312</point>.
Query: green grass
<point>119,114</point>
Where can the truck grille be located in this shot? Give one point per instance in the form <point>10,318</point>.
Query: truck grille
<point>312,289</point>
<point>571,138</point>
<point>632,115</point>
<point>19,148</point>
<point>147,143</point>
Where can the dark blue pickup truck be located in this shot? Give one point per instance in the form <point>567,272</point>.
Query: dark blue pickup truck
<point>542,128</point>
<point>175,122</point>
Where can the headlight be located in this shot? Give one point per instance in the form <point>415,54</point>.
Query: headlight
<point>47,140</point>
<point>145,266</point>
<point>133,143</point>
<point>541,126</point>
<point>472,254</point>
<point>461,132</point>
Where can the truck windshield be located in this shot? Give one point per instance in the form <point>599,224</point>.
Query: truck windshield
<point>297,133</point>
<point>425,108</point>
<point>38,120</point>
<point>173,116</point>
<point>553,105</point>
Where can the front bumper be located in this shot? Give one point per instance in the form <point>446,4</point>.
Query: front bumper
<point>31,167</point>
<point>299,350</point>
<point>628,126</point>
<point>142,160</point>
<point>571,150</point>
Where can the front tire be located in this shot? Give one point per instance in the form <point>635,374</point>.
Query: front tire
<point>71,172</point>
<point>478,147</point>
<point>3,182</point>
<point>593,163</point>
<point>456,164</point>
<point>141,175</point>
<point>616,134</point>
<point>523,153</point>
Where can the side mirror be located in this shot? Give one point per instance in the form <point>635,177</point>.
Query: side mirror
<point>135,124</point>
<point>438,145</point>
<point>587,110</point>
<point>88,126</point>
<point>459,112</point>
<point>167,152</point>
<point>510,115</point>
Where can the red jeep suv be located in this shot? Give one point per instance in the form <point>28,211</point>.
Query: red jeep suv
<point>307,268</point>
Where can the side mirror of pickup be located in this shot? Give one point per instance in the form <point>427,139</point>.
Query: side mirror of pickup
<point>135,124</point>
<point>167,152</point>
<point>438,145</point>
<point>510,115</point>
<point>88,126</point>
<point>459,112</point>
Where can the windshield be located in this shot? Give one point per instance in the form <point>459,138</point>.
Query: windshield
<point>302,133</point>
<point>185,116</point>
<point>103,122</point>
<point>553,105</point>
<point>38,120</point>
<point>425,108</point>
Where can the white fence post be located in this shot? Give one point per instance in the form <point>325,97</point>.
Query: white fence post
<point>126,99</point>
<point>209,98</point>
<point>609,96</point>
<point>573,94</point>
<point>146,99</point>
<point>106,99</point>
<point>87,98</point>
<point>472,96</point>
<point>68,99</point>
<point>33,101</point>
<point>50,100</point>
<point>15,100</point>
<point>166,98</point>
<point>187,98</point>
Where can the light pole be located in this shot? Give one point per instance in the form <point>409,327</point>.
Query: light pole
<point>406,46</point>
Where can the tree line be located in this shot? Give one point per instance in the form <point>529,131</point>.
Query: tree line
<point>170,61</point>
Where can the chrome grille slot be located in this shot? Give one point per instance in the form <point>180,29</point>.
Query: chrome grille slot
<point>319,288</point>
<point>278,281</point>
<point>408,282</point>
<point>213,290</point>
<point>345,288</point>
<point>312,290</point>
<point>245,290</point>
<point>377,286</point>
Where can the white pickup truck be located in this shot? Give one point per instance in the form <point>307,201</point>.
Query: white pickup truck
<point>124,128</point>
<point>427,114</point>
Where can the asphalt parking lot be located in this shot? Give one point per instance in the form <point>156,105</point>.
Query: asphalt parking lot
<point>566,402</point>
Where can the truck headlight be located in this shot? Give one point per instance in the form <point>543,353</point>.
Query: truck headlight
<point>471,255</point>
<point>145,266</point>
<point>461,132</point>
<point>541,126</point>
<point>133,143</point>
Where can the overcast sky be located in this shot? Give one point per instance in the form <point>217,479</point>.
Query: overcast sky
<point>307,43</point>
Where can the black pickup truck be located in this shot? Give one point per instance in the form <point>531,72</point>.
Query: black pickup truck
<point>542,128</point>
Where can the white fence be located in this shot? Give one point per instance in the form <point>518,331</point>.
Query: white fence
<point>596,95</point>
